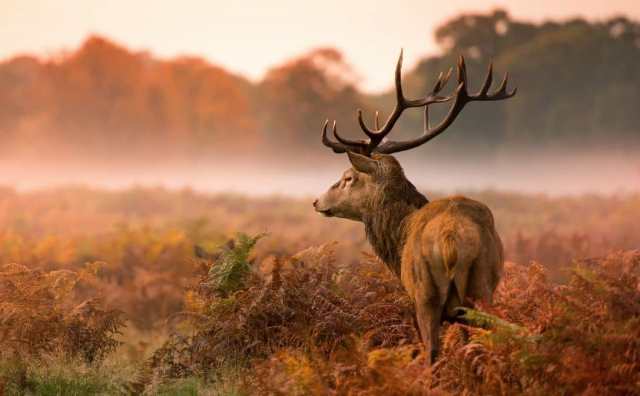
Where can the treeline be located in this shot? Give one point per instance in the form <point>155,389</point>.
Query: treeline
<point>578,81</point>
<point>578,87</point>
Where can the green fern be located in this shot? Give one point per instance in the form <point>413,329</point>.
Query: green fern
<point>488,321</point>
<point>230,270</point>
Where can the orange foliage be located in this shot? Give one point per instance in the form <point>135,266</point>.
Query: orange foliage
<point>103,99</point>
<point>54,312</point>
<point>579,338</point>
<point>304,89</point>
<point>145,237</point>
<point>322,319</point>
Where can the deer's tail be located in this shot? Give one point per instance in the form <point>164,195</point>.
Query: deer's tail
<point>459,247</point>
<point>449,254</point>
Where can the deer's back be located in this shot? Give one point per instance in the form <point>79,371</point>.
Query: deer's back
<point>451,241</point>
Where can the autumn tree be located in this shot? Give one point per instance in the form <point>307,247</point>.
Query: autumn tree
<point>104,99</point>
<point>298,95</point>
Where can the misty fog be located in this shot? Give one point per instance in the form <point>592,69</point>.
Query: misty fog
<point>601,173</point>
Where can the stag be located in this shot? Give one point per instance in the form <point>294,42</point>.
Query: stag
<point>446,252</point>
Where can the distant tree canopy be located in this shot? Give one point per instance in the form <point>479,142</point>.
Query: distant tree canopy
<point>578,81</point>
<point>296,97</point>
<point>103,101</point>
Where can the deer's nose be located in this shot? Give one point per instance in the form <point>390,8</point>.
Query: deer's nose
<point>315,203</point>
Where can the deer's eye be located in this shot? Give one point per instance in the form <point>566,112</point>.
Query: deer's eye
<point>348,181</point>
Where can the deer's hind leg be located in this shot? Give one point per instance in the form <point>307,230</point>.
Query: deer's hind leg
<point>485,273</point>
<point>429,317</point>
<point>424,278</point>
<point>430,302</point>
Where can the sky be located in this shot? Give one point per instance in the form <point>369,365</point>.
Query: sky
<point>249,37</point>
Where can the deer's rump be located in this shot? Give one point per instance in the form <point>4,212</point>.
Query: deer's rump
<point>452,254</point>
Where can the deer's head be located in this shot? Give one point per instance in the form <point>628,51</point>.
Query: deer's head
<point>353,196</point>
<point>375,174</point>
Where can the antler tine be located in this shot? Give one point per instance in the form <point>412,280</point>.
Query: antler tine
<point>461,98</point>
<point>342,140</point>
<point>342,145</point>
<point>441,81</point>
<point>502,90</point>
<point>399,94</point>
<point>500,93</point>
<point>427,125</point>
<point>487,80</point>
<point>336,147</point>
<point>402,103</point>
<point>364,127</point>
<point>462,70</point>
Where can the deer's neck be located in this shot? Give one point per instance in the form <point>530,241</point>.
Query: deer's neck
<point>386,227</point>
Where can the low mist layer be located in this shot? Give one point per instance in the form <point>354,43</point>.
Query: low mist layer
<point>614,171</point>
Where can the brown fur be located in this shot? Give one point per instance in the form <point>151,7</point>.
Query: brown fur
<point>452,256</point>
<point>447,253</point>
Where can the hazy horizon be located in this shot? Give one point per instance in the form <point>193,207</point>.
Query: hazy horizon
<point>251,38</point>
<point>602,173</point>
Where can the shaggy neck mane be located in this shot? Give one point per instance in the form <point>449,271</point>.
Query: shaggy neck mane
<point>386,221</point>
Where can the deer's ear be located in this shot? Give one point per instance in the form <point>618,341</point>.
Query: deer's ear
<point>362,163</point>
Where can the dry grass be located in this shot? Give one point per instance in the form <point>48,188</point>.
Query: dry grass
<point>311,326</point>
<point>50,312</point>
<point>278,317</point>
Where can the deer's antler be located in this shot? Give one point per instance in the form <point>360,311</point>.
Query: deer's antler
<point>377,142</point>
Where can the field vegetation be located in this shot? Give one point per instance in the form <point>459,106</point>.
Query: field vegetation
<point>177,292</point>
